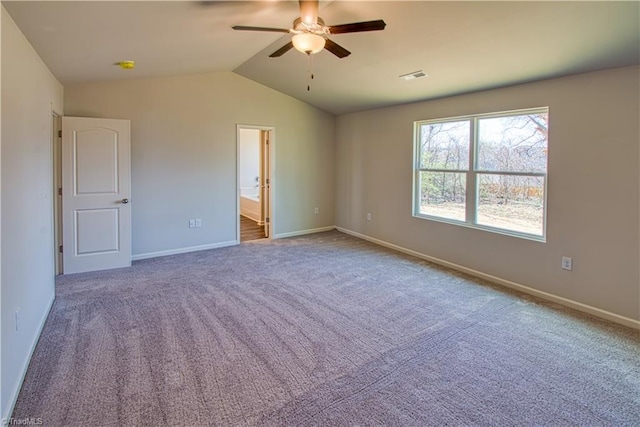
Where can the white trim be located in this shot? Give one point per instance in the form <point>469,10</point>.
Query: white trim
<point>303,232</point>
<point>238,182</point>
<point>271,209</point>
<point>56,172</point>
<point>184,250</point>
<point>626,321</point>
<point>18,386</point>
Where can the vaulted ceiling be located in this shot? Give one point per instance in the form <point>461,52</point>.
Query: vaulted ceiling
<point>462,46</point>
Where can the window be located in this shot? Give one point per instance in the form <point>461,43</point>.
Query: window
<point>486,171</point>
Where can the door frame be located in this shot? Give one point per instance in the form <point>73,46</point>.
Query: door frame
<point>56,147</point>
<point>271,175</point>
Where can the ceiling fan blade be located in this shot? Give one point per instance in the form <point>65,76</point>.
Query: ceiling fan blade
<point>284,49</point>
<point>309,11</point>
<point>336,49</point>
<point>356,27</point>
<point>273,30</point>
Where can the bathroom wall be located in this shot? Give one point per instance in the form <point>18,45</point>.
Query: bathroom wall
<point>249,151</point>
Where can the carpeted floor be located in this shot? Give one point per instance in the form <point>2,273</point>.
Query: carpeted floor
<point>323,329</point>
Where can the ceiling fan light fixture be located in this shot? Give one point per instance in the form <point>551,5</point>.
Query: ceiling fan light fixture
<point>308,43</point>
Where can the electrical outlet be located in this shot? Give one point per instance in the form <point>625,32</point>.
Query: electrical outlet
<point>316,211</point>
<point>192,223</point>
<point>368,217</point>
<point>198,223</point>
<point>17,319</point>
<point>567,263</point>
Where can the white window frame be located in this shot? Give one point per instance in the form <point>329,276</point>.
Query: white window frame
<point>472,173</point>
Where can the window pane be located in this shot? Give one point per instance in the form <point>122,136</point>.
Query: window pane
<point>513,143</point>
<point>445,145</point>
<point>513,203</point>
<point>443,194</point>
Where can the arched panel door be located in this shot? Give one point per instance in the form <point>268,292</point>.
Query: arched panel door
<point>96,191</point>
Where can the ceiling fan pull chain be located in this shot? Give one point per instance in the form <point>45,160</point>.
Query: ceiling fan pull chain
<point>310,69</point>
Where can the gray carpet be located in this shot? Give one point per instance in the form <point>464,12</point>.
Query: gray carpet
<point>317,330</point>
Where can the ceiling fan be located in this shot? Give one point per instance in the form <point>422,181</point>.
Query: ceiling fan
<point>310,34</point>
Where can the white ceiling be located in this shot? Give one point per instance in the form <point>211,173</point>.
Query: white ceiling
<point>462,46</point>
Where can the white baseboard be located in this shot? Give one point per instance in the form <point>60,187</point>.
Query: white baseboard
<point>148,255</point>
<point>303,232</point>
<point>23,370</point>
<point>184,250</point>
<point>507,283</point>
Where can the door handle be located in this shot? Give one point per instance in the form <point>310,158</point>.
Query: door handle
<point>125,201</point>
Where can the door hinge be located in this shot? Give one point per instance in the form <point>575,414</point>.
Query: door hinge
<point>60,191</point>
<point>267,220</point>
<point>60,249</point>
<point>59,134</point>
<point>267,181</point>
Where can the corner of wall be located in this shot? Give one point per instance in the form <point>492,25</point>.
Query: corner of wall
<point>25,146</point>
<point>8,411</point>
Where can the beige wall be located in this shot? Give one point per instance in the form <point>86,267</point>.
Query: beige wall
<point>593,195</point>
<point>184,154</point>
<point>29,93</point>
<point>184,166</point>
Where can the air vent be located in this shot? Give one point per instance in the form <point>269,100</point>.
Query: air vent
<point>413,75</point>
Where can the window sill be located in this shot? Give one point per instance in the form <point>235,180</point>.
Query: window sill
<point>509,233</point>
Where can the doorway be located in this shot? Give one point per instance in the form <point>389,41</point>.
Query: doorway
<point>254,183</point>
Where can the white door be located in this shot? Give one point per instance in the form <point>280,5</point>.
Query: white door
<point>96,213</point>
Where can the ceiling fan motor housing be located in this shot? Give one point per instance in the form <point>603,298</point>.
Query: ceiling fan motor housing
<point>319,28</point>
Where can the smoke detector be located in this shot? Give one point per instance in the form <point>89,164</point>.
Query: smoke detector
<point>126,65</point>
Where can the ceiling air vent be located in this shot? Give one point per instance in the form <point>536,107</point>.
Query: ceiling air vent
<point>413,75</point>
